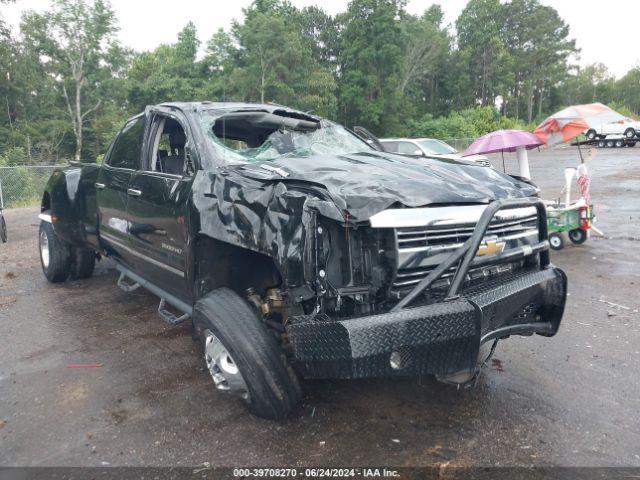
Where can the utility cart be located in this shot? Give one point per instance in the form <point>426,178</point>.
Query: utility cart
<point>576,220</point>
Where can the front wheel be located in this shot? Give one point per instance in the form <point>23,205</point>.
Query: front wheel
<point>578,236</point>
<point>556,242</point>
<point>591,134</point>
<point>243,356</point>
<point>630,133</point>
<point>54,254</point>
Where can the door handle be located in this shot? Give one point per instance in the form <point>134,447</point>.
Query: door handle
<point>133,192</point>
<point>99,186</point>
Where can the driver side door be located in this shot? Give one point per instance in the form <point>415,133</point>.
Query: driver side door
<point>112,190</point>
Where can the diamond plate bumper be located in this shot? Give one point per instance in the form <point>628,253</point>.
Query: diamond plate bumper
<point>441,338</point>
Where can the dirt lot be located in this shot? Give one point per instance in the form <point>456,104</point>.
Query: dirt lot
<point>570,400</point>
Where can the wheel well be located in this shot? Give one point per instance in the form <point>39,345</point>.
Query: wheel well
<point>219,264</point>
<point>46,203</point>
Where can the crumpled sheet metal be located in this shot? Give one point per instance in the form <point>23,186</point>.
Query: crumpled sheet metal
<point>250,207</point>
<point>267,218</point>
<point>361,185</point>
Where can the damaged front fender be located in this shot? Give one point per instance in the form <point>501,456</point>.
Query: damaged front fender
<point>263,216</point>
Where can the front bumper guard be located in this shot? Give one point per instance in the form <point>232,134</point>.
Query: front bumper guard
<point>445,337</point>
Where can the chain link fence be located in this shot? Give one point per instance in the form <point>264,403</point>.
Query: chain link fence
<point>23,185</point>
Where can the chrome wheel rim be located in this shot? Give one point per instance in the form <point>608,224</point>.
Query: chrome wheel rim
<point>223,369</point>
<point>44,249</point>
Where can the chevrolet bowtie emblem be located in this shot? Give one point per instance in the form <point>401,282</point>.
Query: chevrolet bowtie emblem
<point>490,247</point>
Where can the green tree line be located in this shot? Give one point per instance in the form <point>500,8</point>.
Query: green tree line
<point>67,83</point>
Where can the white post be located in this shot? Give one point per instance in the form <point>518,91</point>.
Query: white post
<point>569,173</point>
<point>523,162</point>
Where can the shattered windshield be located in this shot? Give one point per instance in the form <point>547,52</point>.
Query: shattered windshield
<point>258,136</point>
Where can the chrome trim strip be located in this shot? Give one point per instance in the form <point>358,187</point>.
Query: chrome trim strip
<point>45,217</point>
<point>155,262</point>
<point>442,216</point>
<point>158,174</point>
<point>503,225</point>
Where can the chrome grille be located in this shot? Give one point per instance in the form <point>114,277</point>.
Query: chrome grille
<point>429,236</point>
<point>421,249</point>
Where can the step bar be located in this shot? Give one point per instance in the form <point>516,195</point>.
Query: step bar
<point>165,297</point>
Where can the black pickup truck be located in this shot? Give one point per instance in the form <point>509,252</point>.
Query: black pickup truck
<point>297,250</point>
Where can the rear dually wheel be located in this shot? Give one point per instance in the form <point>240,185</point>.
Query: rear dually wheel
<point>83,262</point>
<point>54,254</point>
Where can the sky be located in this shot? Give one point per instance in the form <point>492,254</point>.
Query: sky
<point>607,35</point>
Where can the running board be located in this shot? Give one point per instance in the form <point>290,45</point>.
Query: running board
<point>165,297</point>
<point>170,317</point>
<point>126,286</point>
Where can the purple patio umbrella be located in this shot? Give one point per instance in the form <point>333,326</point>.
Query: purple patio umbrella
<point>503,141</point>
<point>506,141</point>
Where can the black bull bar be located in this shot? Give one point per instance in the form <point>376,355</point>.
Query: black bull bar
<point>443,337</point>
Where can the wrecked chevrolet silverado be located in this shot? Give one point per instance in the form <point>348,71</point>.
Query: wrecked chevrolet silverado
<point>297,250</point>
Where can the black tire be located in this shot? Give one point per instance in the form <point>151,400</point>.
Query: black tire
<point>83,261</point>
<point>3,229</point>
<point>578,236</point>
<point>610,144</point>
<point>58,265</point>
<point>630,133</point>
<point>619,143</point>
<point>591,134</point>
<point>273,387</point>
<point>601,144</point>
<point>556,242</point>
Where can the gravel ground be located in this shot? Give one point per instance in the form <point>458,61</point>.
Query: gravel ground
<point>569,400</point>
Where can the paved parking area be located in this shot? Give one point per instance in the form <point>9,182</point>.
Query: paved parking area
<point>570,400</point>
